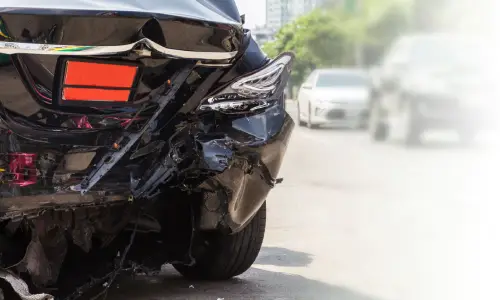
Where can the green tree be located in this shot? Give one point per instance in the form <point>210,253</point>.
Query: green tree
<point>321,38</point>
<point>393,22</point>
<point>326,37</point>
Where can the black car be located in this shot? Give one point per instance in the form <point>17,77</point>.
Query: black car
<point>155,131</point>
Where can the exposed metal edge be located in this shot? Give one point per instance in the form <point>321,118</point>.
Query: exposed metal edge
<point>111,158</point>
<point>218,65</point>
<point>51,49</point>
<point>24,203</point>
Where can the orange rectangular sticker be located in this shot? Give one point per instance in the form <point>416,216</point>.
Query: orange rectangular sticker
<point>95,94</point>
<point>99,74</point>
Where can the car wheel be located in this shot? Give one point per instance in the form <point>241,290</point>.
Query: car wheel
<point>309,123</point>
<point>299,121</point>
<point>412,124</point>
<point>378,129</point>
<point>467,136</point>
<point>225,256</point>
<point>361,124</point>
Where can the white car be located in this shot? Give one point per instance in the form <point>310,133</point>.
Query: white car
<point>338,97</point>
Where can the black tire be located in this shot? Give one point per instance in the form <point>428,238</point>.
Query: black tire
<point>413,136</point>
<point>413,139</point>
<point>309,123</point>
<point>362,124</point>
<point>226,256</point>
<point>380,133</point>
<point>379,130</point>
<point>301,123</point>
<point>467,136</point>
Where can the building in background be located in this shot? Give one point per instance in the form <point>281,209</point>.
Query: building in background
<point>263,35</point>
<point>281,12</point>
<point>275,12</point>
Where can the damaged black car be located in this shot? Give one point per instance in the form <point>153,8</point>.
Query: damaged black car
<point>133,135</point>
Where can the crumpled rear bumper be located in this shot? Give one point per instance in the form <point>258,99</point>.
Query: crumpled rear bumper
<point>246,162</point>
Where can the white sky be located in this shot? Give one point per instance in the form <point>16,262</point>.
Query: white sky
<point>255,11</point>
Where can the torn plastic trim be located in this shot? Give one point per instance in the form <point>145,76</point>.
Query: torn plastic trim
<point>163,172</point>
<point>111,158</point>
<point>81,50</point>
<point>252,92</point>
<point>59,136</point>
<point>245,172</point>
<point>17,208</point>
<point>182,155</point>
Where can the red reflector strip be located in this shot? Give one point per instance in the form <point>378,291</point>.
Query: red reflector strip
<point>92,94</point>
<point>100,75</point>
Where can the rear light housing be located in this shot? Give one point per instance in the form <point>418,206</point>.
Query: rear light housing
<point>254,92</point>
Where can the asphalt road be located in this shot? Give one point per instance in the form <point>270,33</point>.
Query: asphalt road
<point>355,220</point>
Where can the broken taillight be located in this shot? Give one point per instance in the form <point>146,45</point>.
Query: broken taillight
<point>22,168</point>
<point>253,92</point>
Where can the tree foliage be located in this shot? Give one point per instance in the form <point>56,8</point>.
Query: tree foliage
<point>326,37</point>
<point>394,22</point>
<point>318,39</point>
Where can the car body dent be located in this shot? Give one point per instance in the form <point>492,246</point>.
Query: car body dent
<point>249,171</point>
<point>230,158</point>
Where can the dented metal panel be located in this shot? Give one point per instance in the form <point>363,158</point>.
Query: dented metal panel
<point>196,147</point>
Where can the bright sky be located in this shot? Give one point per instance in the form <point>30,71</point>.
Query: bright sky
<point>255,11</point>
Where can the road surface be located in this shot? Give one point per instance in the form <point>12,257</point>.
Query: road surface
<point>355,220</point>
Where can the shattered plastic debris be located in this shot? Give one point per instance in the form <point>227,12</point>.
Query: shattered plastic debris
<point>21,288</point>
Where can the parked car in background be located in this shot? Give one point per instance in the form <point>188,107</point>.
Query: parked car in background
<point>338,97</point>
<point>432,81</point>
